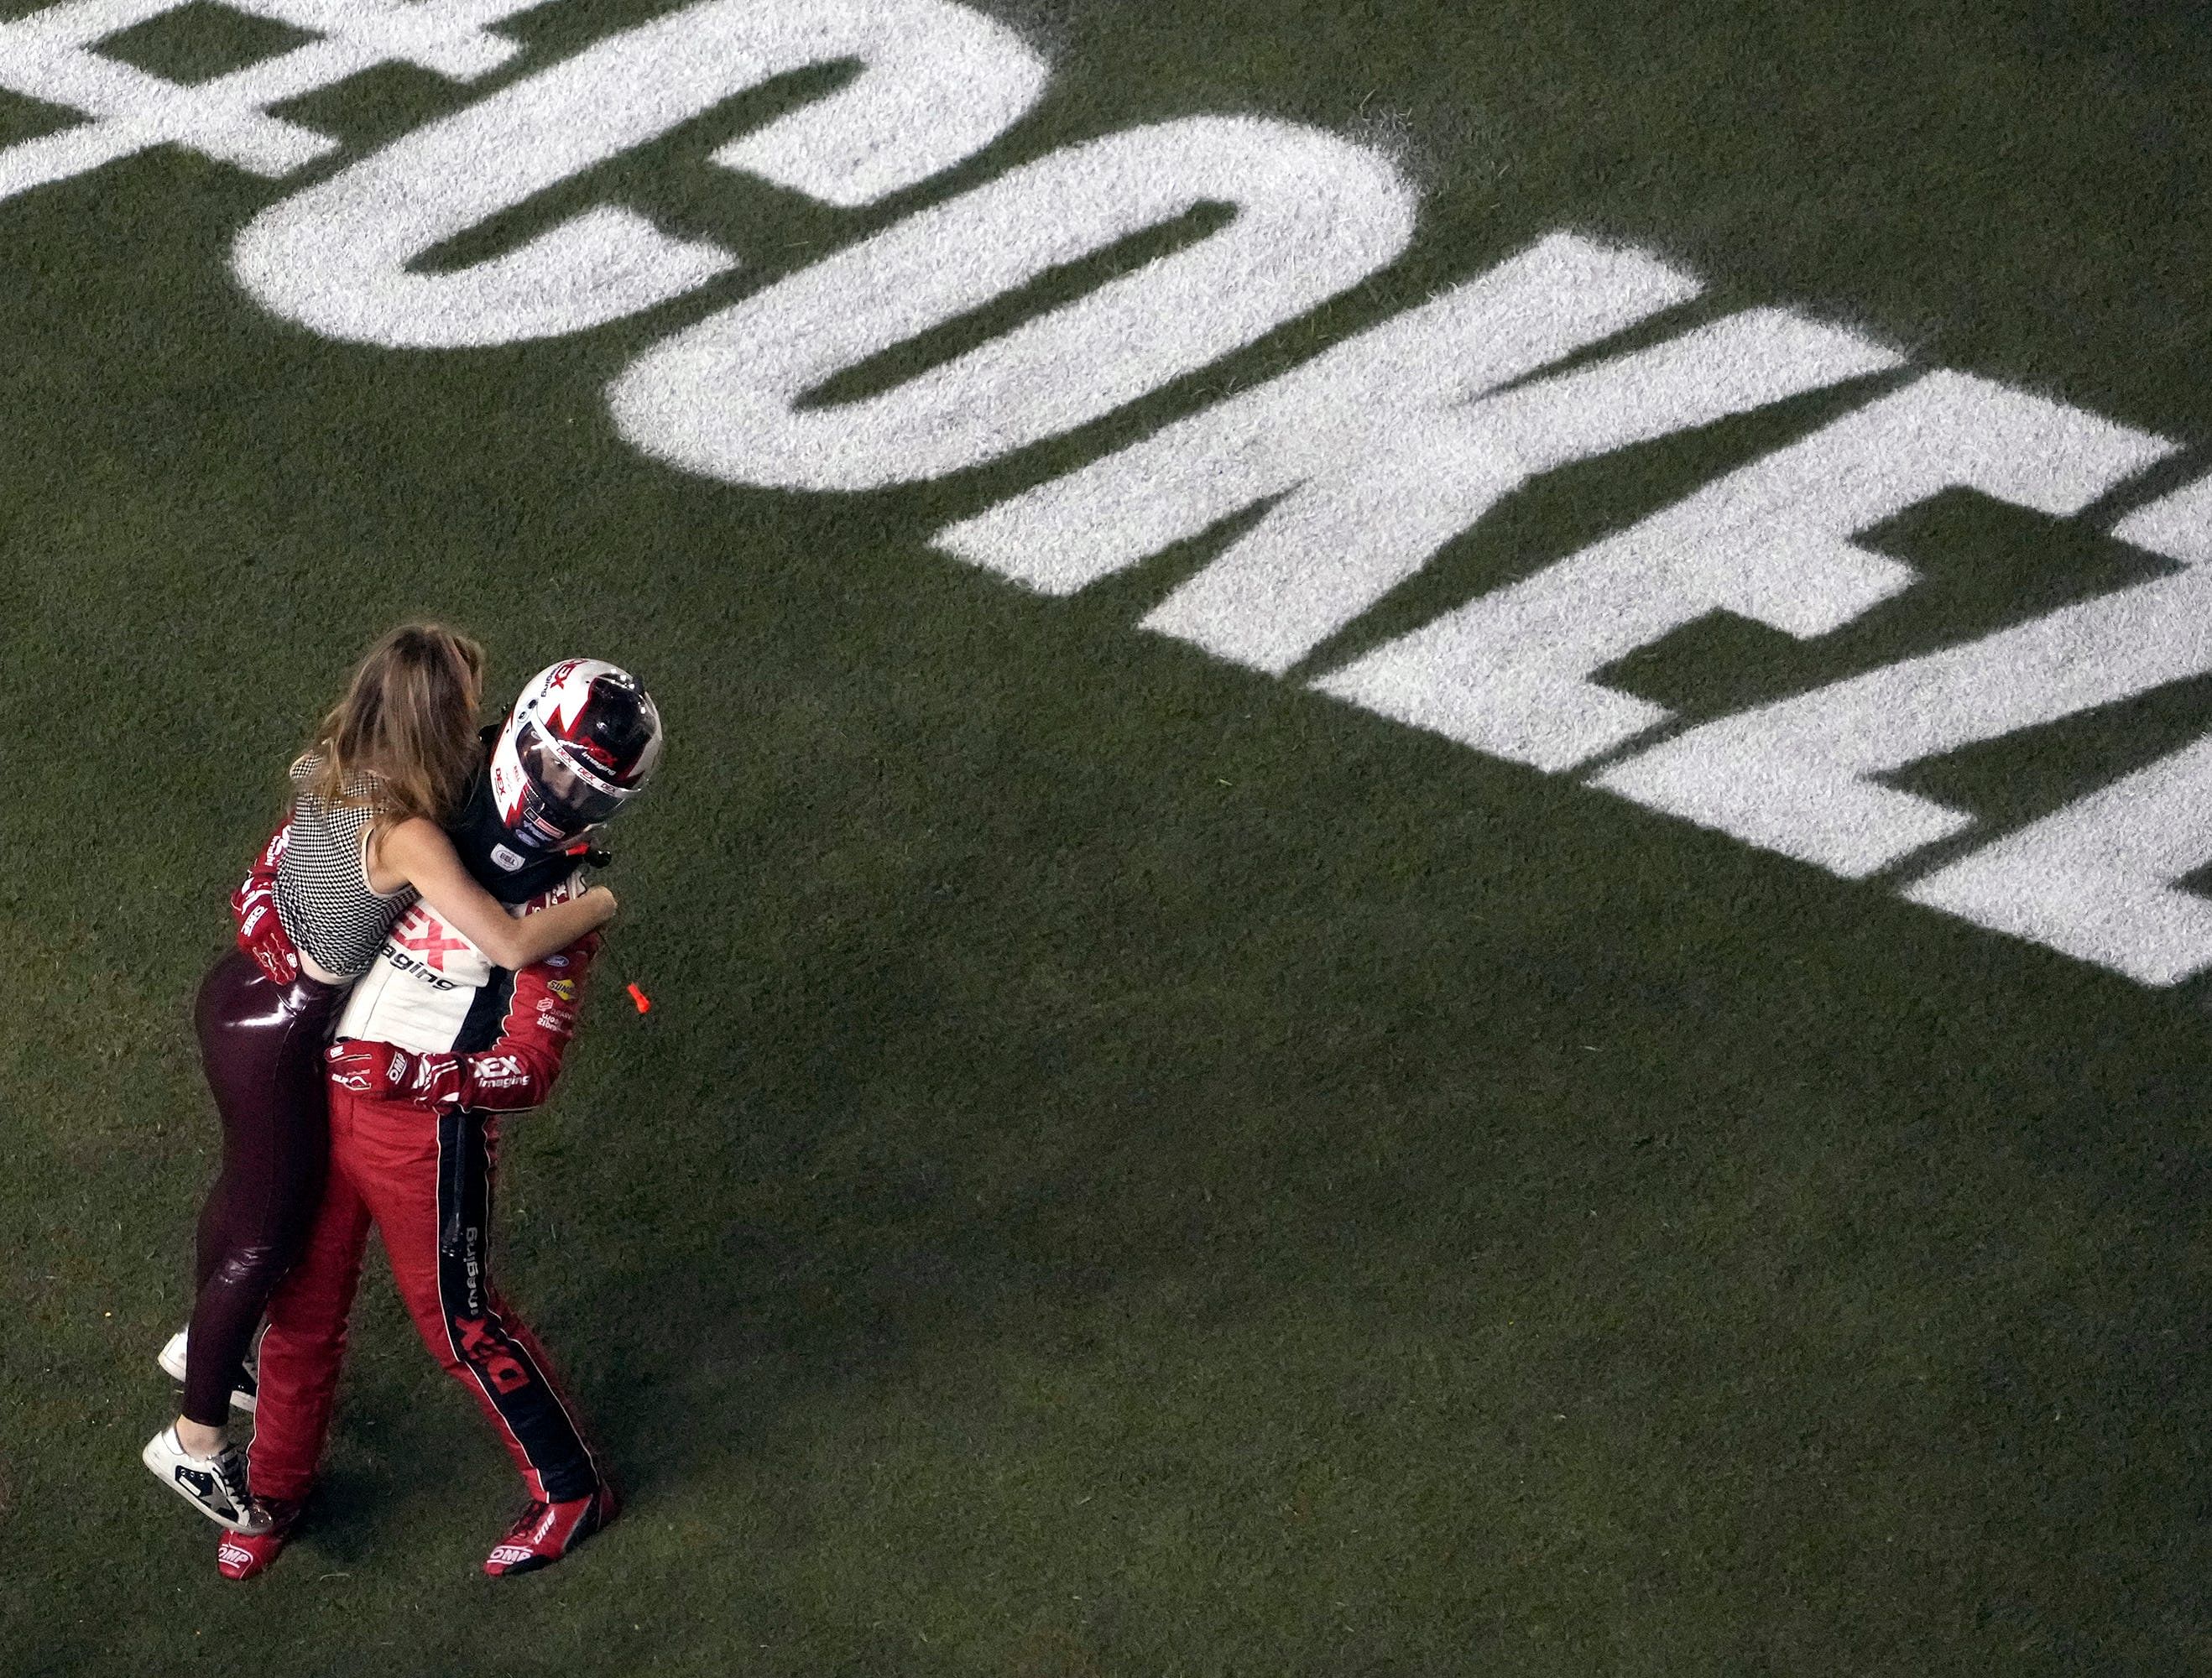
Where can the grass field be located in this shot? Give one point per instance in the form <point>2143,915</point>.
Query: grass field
<point>1138,1167</point>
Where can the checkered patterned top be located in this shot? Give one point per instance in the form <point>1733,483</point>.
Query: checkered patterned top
<point>322,883</point>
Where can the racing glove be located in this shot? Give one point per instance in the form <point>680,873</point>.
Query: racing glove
<point>442,1083</point>
<point>253,907</point>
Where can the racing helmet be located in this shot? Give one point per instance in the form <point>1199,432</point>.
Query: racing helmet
<point>582,740</point>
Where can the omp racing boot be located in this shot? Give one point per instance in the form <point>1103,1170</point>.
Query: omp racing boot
<point>243,1555</point>
<point>548,1531</point>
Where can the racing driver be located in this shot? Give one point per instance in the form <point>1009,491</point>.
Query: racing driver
<point>434,1044</point>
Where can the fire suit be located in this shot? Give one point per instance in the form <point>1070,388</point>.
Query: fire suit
<point>421,1167</point>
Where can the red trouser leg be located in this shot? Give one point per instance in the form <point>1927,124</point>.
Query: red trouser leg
<point>427,1181</point>
<point>307,1337</point>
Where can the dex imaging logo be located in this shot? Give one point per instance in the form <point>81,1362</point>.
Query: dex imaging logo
<point>429,937</point>
<point>1331,484</point>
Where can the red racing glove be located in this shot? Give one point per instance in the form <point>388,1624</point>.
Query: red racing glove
<point>382,1073</point>
<point>439,1082</point>
<point>254,906</point>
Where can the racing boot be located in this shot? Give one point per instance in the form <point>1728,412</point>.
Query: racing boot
<point>244,1555</point>
<point>548,1531</point>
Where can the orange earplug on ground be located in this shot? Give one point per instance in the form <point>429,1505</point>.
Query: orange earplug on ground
<point>644,1002</point>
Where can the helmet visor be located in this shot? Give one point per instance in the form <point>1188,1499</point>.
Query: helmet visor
<point>570,794</point>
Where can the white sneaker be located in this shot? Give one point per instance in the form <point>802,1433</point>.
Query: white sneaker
<point>242,1395</point>
<point>215,1486</point>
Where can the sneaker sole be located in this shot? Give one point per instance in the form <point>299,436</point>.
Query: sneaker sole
<point>160,1472</point>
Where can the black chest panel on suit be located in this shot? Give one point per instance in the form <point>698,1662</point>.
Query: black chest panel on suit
<point>481,838</point>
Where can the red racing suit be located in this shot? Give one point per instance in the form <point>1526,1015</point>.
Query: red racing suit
<point>421,1166</point>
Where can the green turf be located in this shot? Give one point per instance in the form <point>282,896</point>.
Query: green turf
<point>1136,1168</point>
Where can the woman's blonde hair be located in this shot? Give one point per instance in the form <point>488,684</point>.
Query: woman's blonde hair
<point>408,718</point>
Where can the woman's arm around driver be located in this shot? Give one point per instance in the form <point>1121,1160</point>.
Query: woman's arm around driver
<point>418,853</point>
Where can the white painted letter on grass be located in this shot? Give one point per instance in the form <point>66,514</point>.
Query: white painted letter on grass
<point>2178,525</point>
<point>938,83</point>
<point>1314,215</point>
<point>1797,775</point>
<point>2097,880</point>
<point>1513,673</point>
<point>55,55</point>
<point>1337,545</point>
<point>1322,436</point>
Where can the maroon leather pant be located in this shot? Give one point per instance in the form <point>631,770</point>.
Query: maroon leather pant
<point>261,1044</point>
